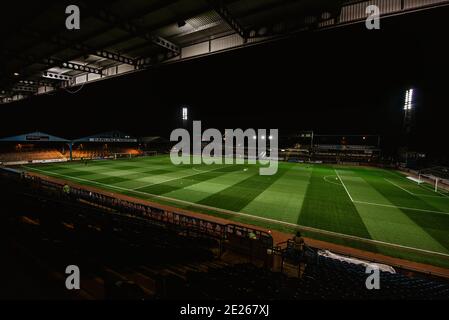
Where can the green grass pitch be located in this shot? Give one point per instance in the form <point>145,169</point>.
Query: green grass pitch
<point>367,203</point>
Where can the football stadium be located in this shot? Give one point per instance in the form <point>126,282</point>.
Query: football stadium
<point>367,203</point>
<point>111,190</point>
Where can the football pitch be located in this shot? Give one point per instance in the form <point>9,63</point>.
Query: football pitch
<point>362,202</point>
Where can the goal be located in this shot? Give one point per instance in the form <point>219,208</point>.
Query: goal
<point>438,177</point>
<point>116,156</point>
<point>150,153</point>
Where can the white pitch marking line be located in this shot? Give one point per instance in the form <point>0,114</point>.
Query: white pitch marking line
<point>325,179</point>
<point>413,194</point>
<point>344,186</point>
<point>190,175</point>
<point>163,197</point>
<point>420,185</point>
<point>386,205</point>
<point>256,217</point>
<point>416,194</point>
<point>405,208</point>
<point>427,188</point>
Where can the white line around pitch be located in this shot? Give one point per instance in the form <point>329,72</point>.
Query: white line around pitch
<point>344,186</point>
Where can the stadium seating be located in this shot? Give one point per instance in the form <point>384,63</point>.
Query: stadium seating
<point>94,153</point>
<point>40,154</point>
<point>329,279</point>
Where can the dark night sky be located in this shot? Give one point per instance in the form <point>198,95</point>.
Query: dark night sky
<point>347,80</point>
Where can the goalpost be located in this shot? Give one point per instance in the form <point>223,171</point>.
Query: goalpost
<point>124,156</point>
<point>432,179</point>
<point>436,176</point>
<point>150,153</point>
<point>121,155</point>
<point>117,155</point>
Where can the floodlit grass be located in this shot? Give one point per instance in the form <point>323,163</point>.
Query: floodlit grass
<point>368,203</point>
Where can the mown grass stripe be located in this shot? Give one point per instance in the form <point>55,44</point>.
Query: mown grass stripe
<point>433,223</point>
<point>176,184</point>
<point>284,198</point>
<point>327,206</point>
<point>385,221</point>
<point>241,194</point>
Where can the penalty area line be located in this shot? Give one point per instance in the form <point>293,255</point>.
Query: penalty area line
<point>398,207</point>
<point>417,194</point>
<point>400,187</point>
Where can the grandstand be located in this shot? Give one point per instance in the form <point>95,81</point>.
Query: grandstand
<point>38,147</point>
<point>325,148</point>
<point>355,208</point>
<point>30,155</point>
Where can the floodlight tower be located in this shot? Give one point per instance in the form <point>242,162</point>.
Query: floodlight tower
<point>409,109</point>
<point>408,122</point>
<point>184,116</point>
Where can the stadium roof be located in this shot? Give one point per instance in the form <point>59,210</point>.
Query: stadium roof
<point>34,137</point>
<point>155,139</point>
<point>111,136</point>
<point>121,36</point>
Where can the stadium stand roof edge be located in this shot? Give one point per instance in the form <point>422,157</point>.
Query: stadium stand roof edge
<point>34,137</point>
<point>111,136</point>
<point>42,56</point>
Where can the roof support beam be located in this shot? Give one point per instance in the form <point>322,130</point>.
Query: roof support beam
<point>19,88</point>
<point>84,49</point>
<point>155,27</point>
<point>137,31</point>
<point>114,57</point>
<point>72,66</point>
<point>224,13</point>
<point>146,62</point>
<point>35,83</point>
<point>56,76</point>
<point>161,42</point>
<point>87,13</point>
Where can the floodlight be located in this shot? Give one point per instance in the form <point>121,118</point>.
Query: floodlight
<point>408,99</point>
<point>184,114</point>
